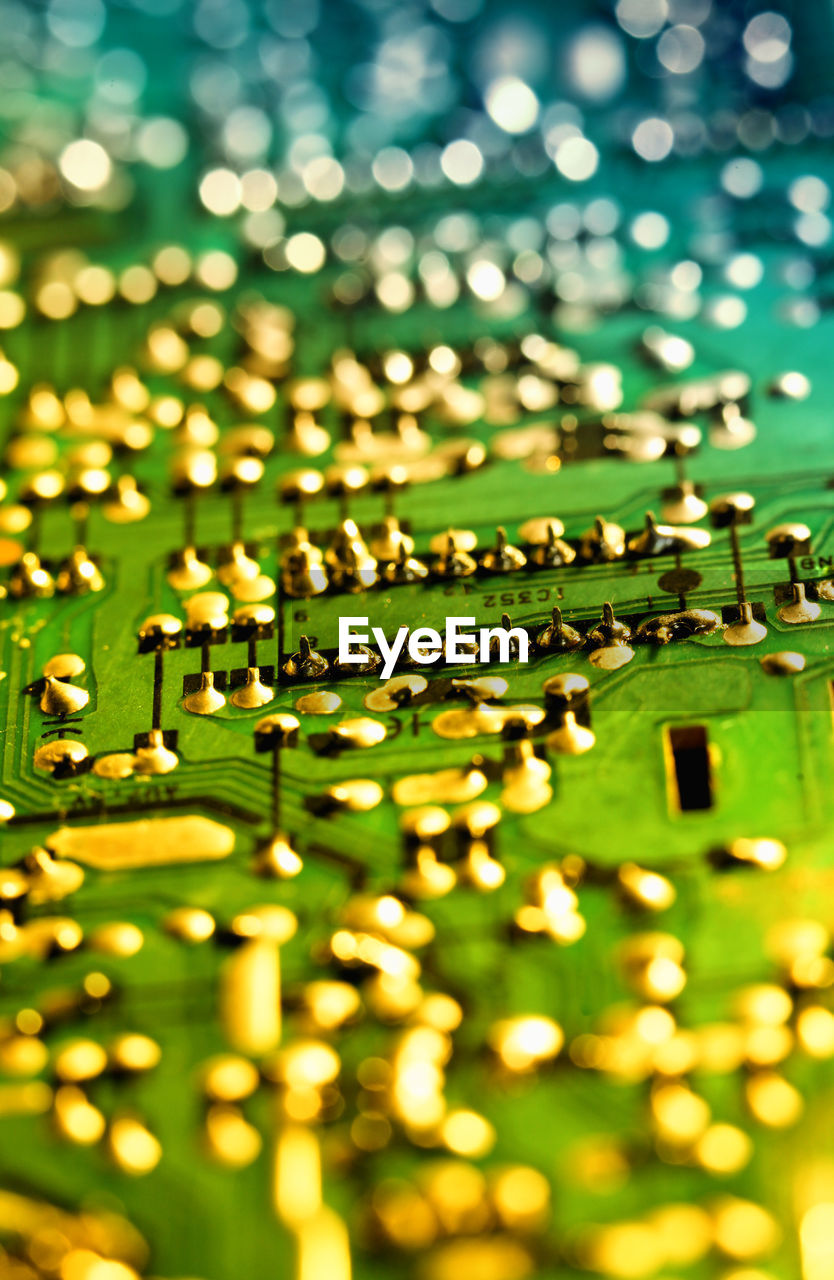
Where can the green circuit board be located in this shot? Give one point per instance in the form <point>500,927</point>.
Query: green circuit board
<point>488,970</point>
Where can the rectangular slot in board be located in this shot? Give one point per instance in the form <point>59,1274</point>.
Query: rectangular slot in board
<point>688,767</point>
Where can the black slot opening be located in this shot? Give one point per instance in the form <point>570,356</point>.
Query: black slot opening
<point>689,752</point>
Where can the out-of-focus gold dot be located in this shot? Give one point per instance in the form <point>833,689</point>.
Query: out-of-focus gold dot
<point>216,270</point>
<point>30,450</point>
<point>198,428</point>
<point>129,390</point>
<point>76,1119</point>
<point>773,1100</point>
<point>370,1132</point>
<point>8,193</point>
<point>789,940</point>
<point>625,1250</point>
<point>765,1046</point>
<point>440,1011</point>
<point>405,1216</point>
<point>14,883</point>
<point>45,408</point>
<point>685,1231</point>
<point>681,1116</point>
<point>190,924</point>
<point>167,411</point>
<point>397,366</point>
<point>269,921</point>
<point>206,319</point>
<point>242,471</point>
<point>84,1264</point>
<point>231,1139</point>
<point>117,939</point>
<point>646,889</point>
<point>765,1004</point>
<point>663,979</point>
<point>13,519</point>
<point>133,1147</point>
<point>8,376</point>
<point>56,300</point>
<point>255,394</point>
<point>812,971</point>
<point>136,436</point>
<point>97,985</point>
<point>521,1196</point>
<point>64,265</point>
<point>467,1133</point>
<point>653,962</point>
<point>720,1046</point>
<point>302,1104</point>
<point>79,1060</point>
<point>172,265</point>
<point>168,352</point>
<point>95,285</point>
<point>457,1192</point>
<point>23,1055</point>
<point>29,1022</point>
<point>654,1025</point>
<point>305,252</point>
<point>12,309</point>
<point>723,1149</point>
<point>203,373</point>
<point>229,1078</point>
<point>308,1064</point>
<point>309,394</point>
<point>524,1042</point>
<point>220,192</point>
<point>194,468</point>
<point>44,486</point>
<point>374,1073</point>
<point>9,257</point>
<point>247,439</point>
<point>85,164</point>
<point>137,284</point>
<point>816,1234</point>
<point>134,1052</point>
<point>331,1003</point>
<point>96,455</point>
<point>744,1230</point>
<point>815,1031</point>
<point>79,408</point>
<point>760,852</point>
